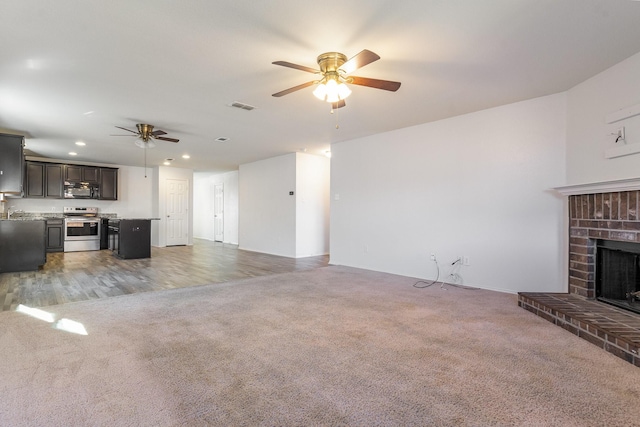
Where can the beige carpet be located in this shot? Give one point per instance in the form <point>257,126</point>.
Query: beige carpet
<point>332,346</point>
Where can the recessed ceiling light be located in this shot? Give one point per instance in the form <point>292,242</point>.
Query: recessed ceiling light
<point>80,143</point>
<point>167,163</point>
<point>186,156</point>
<point>73,153</point>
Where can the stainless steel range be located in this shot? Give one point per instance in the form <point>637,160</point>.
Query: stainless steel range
<point>81,229</point>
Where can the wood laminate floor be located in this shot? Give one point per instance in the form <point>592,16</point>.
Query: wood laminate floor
<point>79,276</point>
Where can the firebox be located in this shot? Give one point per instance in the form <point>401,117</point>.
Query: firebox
<point>618,273</point>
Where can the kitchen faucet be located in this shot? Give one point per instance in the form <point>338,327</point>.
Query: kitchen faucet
<point>10,211</point>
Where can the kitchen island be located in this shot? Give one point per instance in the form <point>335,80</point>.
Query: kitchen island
<point>22,244</point>
<point>130,238</point>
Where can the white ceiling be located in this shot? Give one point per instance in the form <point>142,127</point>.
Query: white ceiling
<point>179,64</point>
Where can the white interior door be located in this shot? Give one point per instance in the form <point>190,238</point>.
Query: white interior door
<point>218,212</point>
<point>177,212</point>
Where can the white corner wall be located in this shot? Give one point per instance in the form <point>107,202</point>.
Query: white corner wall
<point>588,134</point>
<point>476,186</point>
<point>312,205</point>
<point>203,205</point>
<point>267,219</point>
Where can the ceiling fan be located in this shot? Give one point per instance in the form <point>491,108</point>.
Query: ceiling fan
<point>334,76</point>
<point>146,135</point>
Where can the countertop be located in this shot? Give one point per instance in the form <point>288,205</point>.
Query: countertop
<point>30,218</point>
<point>40,216</point>
<point>134,219</point>
<point>37,216</point>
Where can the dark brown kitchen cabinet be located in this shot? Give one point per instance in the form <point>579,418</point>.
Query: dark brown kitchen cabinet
<point>11,164</point>
<point>108,184</point>
<point>78,173</point>
<point>44,180</point>
<point>35,179</point>
<point>22,245</point>
<point>54,188</point>
<point>55,235</point>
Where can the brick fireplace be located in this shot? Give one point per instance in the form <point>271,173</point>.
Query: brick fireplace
<point>608,216</point>
<point>604,211</point>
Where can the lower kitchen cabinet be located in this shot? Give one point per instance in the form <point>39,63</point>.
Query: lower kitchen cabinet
<point>55,235</point>
<point>22,245</point>
<point>130,238</point>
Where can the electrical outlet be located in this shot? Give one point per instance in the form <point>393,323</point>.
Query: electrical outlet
<point>465,260</point>
<point>433,257</point>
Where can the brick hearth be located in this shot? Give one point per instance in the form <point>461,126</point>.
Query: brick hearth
<point>610,328</point>
<point>609,216</point>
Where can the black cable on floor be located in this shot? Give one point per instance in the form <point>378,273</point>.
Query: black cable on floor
<point>427,284</point>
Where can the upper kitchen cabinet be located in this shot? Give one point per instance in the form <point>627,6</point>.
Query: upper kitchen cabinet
<point>11,163</point>
<point>108,184</point>
<point>77,173</point>
<point>44,180</point>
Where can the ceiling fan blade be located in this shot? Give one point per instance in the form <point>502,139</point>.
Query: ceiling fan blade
<point>338,104</point>
<point>158,132</point>
<point>360,60</point>
<point>163,138</point>
<point>296,66</point>
<point>375,83</point>
<point>293,89</point>
<point>132,131</point>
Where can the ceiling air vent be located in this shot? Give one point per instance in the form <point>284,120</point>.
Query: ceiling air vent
<point>242,106</point>
<point>222,139</point>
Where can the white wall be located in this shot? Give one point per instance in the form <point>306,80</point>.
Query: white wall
<point>587,131</point>
<point>273,221</point>
<point>312,205</point>
<point>475,185</point>
<point>267,212</point>
<point>203,206</point>
<point>159,201</point>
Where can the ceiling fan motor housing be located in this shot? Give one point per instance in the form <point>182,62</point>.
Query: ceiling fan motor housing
<point>331,61</point>
<point>145,131</point>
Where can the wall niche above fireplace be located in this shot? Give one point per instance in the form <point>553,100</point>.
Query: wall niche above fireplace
<point>618,273</point>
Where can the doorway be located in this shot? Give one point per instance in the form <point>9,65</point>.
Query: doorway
<point>218,212</point>
<point>177,209</point>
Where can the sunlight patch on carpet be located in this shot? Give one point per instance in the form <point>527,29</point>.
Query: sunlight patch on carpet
<point>63,324</point>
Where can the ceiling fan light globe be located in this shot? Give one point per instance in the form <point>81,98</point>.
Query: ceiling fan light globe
<point>343,91</point>
<point>320,92</point>
<point>333,97</point>
<point>145,144</point>
<point>332,91</point>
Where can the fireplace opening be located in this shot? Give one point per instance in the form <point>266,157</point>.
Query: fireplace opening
<point>618,274</point>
